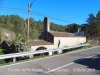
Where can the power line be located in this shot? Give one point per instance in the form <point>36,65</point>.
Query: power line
<point>52,17</point>
<point>2,3</point>
<point>13,8</point>
<point>32,3</point>
<point>39,14</point>
<point>35,13</point>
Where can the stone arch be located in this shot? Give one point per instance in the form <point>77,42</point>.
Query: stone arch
<point>41,48</point>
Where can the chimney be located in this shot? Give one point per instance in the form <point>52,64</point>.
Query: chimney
<point>46,25</point>
<point>46,28</point>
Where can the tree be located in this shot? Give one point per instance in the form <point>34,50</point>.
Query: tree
<point>98,15</point>
<point>85,28</point>
<point>90,27</point>
<point>90,19</point>
<point>93,30</point>
<point>97,23</point>
<point>72,28</point>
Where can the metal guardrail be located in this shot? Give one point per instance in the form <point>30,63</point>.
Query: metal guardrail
<point>14,55</point>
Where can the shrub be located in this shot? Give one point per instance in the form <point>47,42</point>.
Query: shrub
<point>2,61</point>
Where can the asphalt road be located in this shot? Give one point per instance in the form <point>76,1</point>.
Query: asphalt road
<point>84,62</point>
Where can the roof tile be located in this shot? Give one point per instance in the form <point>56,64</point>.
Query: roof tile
<point>61,34</point>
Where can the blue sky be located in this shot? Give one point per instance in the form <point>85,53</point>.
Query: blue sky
<point>72,11</point>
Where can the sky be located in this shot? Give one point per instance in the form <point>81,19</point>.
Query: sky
<point>61,12</point>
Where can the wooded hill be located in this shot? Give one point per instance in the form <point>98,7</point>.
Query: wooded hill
<point>18,25</point>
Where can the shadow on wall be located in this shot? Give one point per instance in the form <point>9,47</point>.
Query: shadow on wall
<point>92,63</point>
<point>58,43</point>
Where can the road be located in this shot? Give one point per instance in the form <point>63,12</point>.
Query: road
<point>83,62</point>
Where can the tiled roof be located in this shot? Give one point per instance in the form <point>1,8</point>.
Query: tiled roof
<point>39,42</point>
<point>61,34</point>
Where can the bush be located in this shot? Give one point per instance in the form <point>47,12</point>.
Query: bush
<point>2,61</point>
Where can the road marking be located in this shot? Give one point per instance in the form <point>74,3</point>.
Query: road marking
<point>60,67</point>
<point>71,63</point>
<point>49,57</point>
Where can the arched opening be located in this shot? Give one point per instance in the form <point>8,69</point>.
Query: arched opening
<point>41,54</point>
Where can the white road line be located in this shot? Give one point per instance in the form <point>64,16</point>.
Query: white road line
<point>60,67</point>
<point>49,57</point>
<point>71,63</point>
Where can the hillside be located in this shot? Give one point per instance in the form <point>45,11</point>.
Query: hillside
<point>18,25</point>
<point>7,34</point>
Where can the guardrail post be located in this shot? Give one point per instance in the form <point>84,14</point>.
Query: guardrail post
<point>73,48</point>
<point>52,53</point>
<point>14,60</point>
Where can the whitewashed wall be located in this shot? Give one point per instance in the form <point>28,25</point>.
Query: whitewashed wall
<point>62,41</point>
<point>68,41</point>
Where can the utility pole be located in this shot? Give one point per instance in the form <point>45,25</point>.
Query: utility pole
<point>28,22</point>
<point>78,34</point>
<point>28,32</point>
